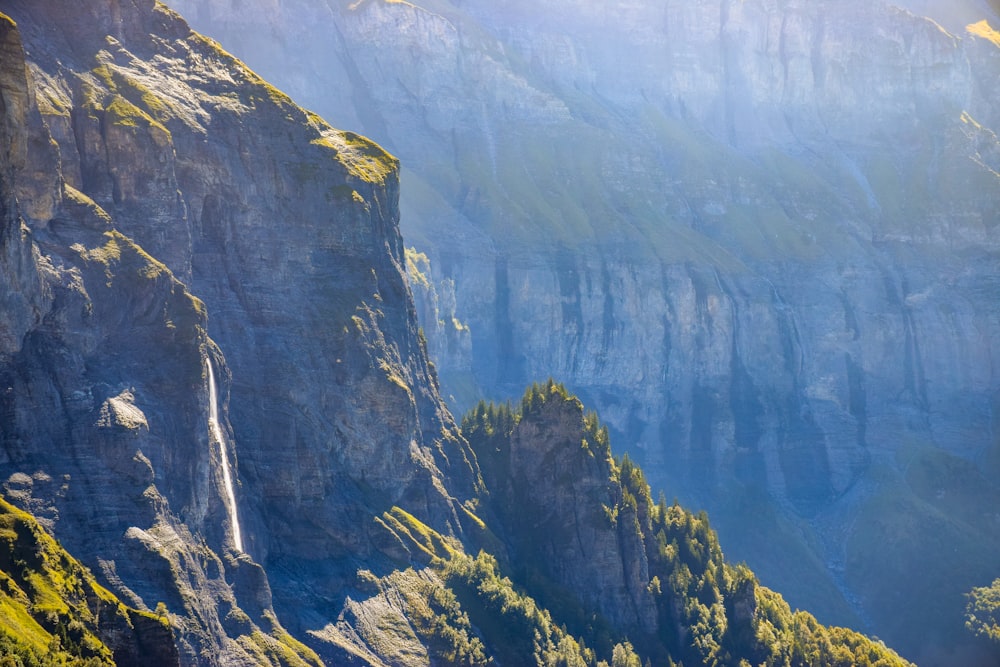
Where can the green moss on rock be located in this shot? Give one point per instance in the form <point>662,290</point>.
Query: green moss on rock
<point>52,610</point>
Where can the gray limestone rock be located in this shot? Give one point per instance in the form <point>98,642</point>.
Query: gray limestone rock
<point>758,237</point>
<point>178,444</point>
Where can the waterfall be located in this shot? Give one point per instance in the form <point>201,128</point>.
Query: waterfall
<point>215,432</point>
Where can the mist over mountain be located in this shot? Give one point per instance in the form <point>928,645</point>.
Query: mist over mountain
<point>758,237</point>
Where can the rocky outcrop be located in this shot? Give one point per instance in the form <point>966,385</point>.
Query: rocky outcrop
<point>53,607</point>
<point>587,541</point>
<point>554,488</point>
<point>758,237</point>
<point>143,165</point>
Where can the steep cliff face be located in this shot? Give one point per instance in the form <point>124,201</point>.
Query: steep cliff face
<point>177,444</point>
<point>758,237</point>
<point>555,491</point>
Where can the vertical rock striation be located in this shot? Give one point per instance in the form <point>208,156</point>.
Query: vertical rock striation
<point>144,165</point>
<point>758,237</point>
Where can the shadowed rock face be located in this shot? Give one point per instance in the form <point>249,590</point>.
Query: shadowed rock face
<point>802,337</point>
<point>54,607</point>
<point>563,483</point>
<point>758,237</point>
<point>144,166</point>
<point>583,533</point>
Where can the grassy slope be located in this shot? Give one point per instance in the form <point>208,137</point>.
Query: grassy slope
<point>51,607</point>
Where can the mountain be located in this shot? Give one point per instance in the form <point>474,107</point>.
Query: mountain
<point>221,438</point>
<point>178,444</point>
<point>584,533</point>
<point>758,237</point>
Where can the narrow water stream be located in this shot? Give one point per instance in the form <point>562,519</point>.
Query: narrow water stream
<point>227,478</point>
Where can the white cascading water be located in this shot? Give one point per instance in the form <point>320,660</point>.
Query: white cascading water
<point>216,434</point>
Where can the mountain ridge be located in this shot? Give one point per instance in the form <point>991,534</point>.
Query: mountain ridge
<point>203,276</point>
<point>766,240</point>
<point>584,530</point>
<point>143,133</point>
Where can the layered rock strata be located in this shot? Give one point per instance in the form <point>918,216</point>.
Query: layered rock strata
<point>143,166</point>
<point>758,237</point>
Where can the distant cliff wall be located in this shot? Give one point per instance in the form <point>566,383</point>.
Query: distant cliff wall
<point>773,237</point>
<point>758,237</point>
